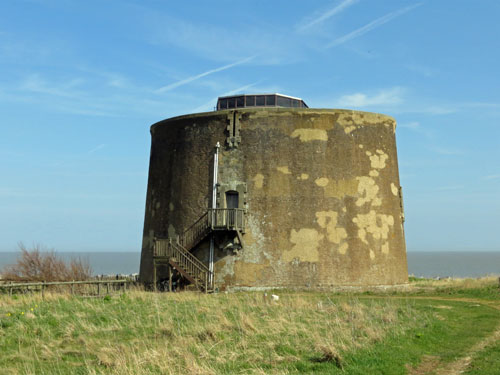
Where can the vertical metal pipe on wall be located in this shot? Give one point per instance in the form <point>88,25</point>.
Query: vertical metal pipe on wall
<point>214,205</point>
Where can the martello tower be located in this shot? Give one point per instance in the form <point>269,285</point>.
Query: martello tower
<point>266,192</point>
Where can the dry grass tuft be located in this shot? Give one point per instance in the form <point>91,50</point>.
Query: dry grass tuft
<point>458,283</point>
<point>330,354</point>
<point>143,333</point>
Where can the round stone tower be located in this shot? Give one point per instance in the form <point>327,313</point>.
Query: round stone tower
<point>305,198</point>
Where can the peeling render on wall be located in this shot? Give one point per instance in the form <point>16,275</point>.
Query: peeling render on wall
<point>320,188</point>
<point>307,135</point>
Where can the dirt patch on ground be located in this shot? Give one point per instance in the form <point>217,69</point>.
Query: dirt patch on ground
<point>427,366</point>
<point>461,364</point>
<point>432,364</point>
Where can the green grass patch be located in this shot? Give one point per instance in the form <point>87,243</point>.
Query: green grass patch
<point>487,288</point>
<point>191,333</point>
<point>486,362</point>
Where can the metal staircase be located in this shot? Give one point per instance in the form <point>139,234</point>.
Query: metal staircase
<point>176,253</point>
<point>178,257</point>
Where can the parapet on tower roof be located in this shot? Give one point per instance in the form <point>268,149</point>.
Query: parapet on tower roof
<point>259,100</point>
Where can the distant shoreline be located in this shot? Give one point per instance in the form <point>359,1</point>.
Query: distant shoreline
<point>429,264</point>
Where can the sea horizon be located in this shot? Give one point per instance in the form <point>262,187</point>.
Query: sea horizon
<point>430,264</point>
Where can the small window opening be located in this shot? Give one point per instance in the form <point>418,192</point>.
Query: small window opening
<point>250,101</point>
<point>240,102</point>
<point>223,104</point>
<point>270,100</point>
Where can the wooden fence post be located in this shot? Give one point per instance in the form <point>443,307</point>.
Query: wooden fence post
<point>154,276</point>
<point>169,278</point>
<point>42,286</point>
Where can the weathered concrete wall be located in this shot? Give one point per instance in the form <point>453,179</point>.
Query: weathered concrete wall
<point>322,194</point>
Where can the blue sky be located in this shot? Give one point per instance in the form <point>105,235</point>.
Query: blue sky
<point>82,81</point>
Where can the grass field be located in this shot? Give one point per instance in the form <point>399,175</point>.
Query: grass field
<point>435,327</point>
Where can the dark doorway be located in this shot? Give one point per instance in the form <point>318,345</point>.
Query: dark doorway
<point>232,199</point>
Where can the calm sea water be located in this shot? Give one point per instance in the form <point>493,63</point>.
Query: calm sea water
<point>453,263</point>
<point>426,264</point>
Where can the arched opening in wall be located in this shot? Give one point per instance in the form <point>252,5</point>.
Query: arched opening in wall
<point>232,199</point>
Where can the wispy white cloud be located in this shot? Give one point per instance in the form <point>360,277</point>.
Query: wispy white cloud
<point>386,97</point>
<point>491,105</point>
<point>394,99</point>
<point>423,70</point>
<point>403,100</point>
<point>16,192</point>
<point>317,19</point>
<point>431,139</point>
<point>118,82</point>
<point>89,97</point>
<point>451,187</point>
<point>449,108</point>
<point>204,74</point>
<point>492,177</point>
<point>371,26</point>
<point>97,148</point>
<point>112,79</point>
<point>413,125</point>
<point>271,44</point>
<point>446,151</point>
<point>416,127</point>
<point>36,84</point>
<point>438,110</point>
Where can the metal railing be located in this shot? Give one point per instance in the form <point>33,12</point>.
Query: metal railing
<point>192,266</point>
<point>226,219</point>
<point>213,219</point>
<point>196,232</point>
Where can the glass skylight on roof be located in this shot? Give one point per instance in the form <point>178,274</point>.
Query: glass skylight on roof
<point>263,100</point>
